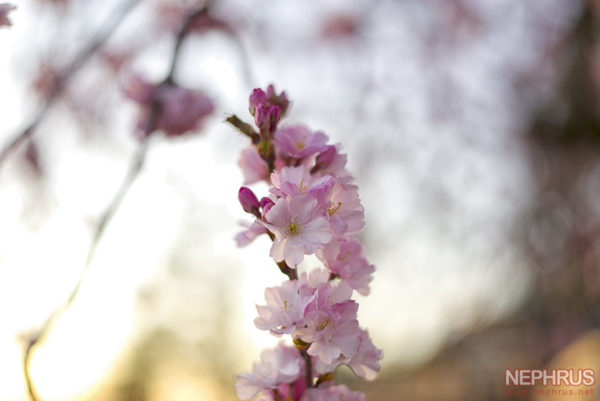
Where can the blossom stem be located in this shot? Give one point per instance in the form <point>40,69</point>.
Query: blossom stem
<point>288,271</point>
<point>308,368</point>
<point>277,395</point>
<point>244,128</point>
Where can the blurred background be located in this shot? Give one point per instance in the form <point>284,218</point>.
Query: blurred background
<point>473,129</point>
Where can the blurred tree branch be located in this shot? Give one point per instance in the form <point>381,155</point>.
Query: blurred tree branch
<point>64,76</point>
<point>133,172</point>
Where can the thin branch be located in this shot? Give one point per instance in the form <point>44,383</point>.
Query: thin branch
<point>181,35</point>
<point>106,217</point>
<point>67,73</point>
<point>30,388</point>
<point>308,368</point>
<point>110,211</point>
<point>244,128</point>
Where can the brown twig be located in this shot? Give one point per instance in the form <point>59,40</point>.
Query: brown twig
<point>308,368</point>
<point>65,76</point>
<point>181,35</point>
<point>106,217</point>
<point>244,128</point>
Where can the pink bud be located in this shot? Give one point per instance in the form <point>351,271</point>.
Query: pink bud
<point>266,204</point>
<point>257,97</point>
<point>267,108</point>
<point>280,100</point>
<point>267,117</point>
<point>249,201</point>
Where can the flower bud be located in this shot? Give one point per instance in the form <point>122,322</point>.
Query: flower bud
<point>266,204</point>
<point>280,100</point>
<point>249,201</point>
<point>266,118</point>
<point>257,97</point>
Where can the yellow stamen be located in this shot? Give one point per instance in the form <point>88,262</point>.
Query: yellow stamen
<point>323,324</point>
<point>301,186</point>
<point>300,145</point>
<point>293,228</point>
<point>331,209</point>
<point>344,256</point>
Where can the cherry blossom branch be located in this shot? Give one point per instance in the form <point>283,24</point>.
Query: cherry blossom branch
<point>106,217</point>
<point>67,73</point>
<point>312,208</point>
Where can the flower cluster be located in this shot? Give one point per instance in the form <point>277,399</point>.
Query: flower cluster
<point>312,207</point>
<point>179,110</point>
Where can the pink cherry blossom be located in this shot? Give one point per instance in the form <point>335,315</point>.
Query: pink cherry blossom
<point>297,141</point>
<point>294,181</point>
<point>5,8</point>
<point>332,393</point>
<point>252,231</point>
<point>312,207</point>
<point>346,213</point>
<point>299,229</point>
<point>345,259</point>
<point>253,166</point>
<point>331,162</point>
<point>283,364</point>
<point>365,363</point>
<point>284,309</point>
<point>315,278</point>
<point>330,326</point>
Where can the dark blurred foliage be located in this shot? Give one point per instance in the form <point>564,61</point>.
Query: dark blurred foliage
<point>560,233</point>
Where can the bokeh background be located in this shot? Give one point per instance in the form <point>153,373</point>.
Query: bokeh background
<point>473,129</point>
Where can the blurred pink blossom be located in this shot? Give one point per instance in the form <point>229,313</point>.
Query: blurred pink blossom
<point>5,8</point>
<point>180,110</point>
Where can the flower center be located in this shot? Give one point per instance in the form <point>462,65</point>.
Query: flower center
<point>301,186</point>
<point>332,209</point>
<point>300,145</point>
<point>343,257</point>
<point>293,228</point>
<point>322,324</point>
